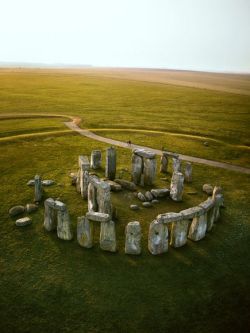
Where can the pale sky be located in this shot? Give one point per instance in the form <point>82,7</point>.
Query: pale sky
<point>211,35</point>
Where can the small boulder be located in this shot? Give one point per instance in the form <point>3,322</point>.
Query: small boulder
<point>48,182</point>
<point>16,210</point>
<point>31,182</point>
<point>115,187</point>
<point>155,201</point>
<point>147,204</point>
<point>126,184</point>
<point>31,208</point>
<point>23,222</point>
<point>160,193</point>
<point>141,197</point>
<point>134,207</point>
<point>207,188</point>
<point>149,196</point>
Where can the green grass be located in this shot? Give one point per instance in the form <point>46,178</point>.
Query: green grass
<point>51,285</point>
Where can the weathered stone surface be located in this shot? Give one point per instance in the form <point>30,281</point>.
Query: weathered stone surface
<point>38,189</point>
<point>50,215</point>
<point>207,188</point>
<point>126,184</point>
<point>164,164</point>
<point>207,205</point>
<point>78,188</point>
<point>198,227</point>
<point>160,192</point>
<point>98,217</point>
<point>48,182</point>
<point>84,232</point>
<point>216,190</point>
<point>147,204</point>
<point>84,183</point>
<point>176,165</point>
<point>16,210</point>
<point>188,172</point>
<point>115,187</point>
<point>190,213</point>
<point>149,170</point>
<point>92,201</point>
<point>215,214</point>
<point>31,182</point>
<point>176,187</point>
<point>179,233</point>
<point>96,159</point>
<point>104,198</point>
<point>144,153</point>
<point>83,162</point>
<point>31,208</point>
<point>157,238</point>
<point>63,221</point>
<point>110,170</point>
<point>137,166</point>
<point>108,236</point>
<point>141,196</point>
<point>133,238</point>
<point>169,217</point>
<point>155,201</point>
<point>149,196</point>
<point>134,207</point>
<point>23,222</point>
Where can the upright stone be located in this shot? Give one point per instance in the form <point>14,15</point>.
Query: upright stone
<point>83,162</point>
<point>104,198</point>
<point>179,233</point>
<point>188,172</point>
<point>137,167</point>
<point>176,165</point>
<point>85,184</point>
<point>108,236</point>
<point>63,222</point>
<point>157,238</point>
<point>38,189</point>
<point>110,163</point>
<point>92,200</point>
<point>208,207</point>
<point>164,163</point>
<point>50,215</point>
<point>96,159</point>
<point>133,238</point>
<point>198,227</point>
<point>176,187</point>
<point>84,232</point>
<point>149,170</point>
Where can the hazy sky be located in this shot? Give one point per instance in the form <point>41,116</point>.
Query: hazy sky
<point>184,34</point>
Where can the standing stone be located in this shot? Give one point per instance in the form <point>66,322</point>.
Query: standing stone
<point>157,238</point>
<point>104,198</point>
<point>176,165</point>
<point>133,238</point>
<point>110,163</point>
<point>83,162</point>
<point>95,160</point>
<point>218,202</point>
<point>208,208</point>
<point>84,232</point>
<point>176,187</point>
<point>179,233</point>
<point>108,236</point>
<point>85,184</point>
<point>84,165</point>
<point>78,176</point>
<point>188,172</point>
<point>149,170</point>
<point>164,163</point>
<point>38,189</point>
<point>137,167</point>
<point>63,222</point>
<point>92,201</point>
<point>50,215</point>
<point>198,227</point>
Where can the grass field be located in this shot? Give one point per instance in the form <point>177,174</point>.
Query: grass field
<point>55,286</point>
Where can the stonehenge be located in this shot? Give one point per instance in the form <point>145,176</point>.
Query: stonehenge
<point>143,167</point>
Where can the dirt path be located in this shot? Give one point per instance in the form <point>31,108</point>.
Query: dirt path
<point>84,132</point>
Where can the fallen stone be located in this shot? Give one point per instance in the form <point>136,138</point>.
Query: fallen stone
<point>48,182</point>
<point>31,208</point>
<point>149,196</point>
<point>141,196</point>
<point>98,217</point>
<point>144,153</point>
<point>133,238</point>
<point>16,210</point>
<point>31,182</point>
<point>134,207</point>
<point>147,204</point>
<point>160,193</point>
<point>157,238</point>
<point>23,222</point>
<point>115,187</point>
<point>207,188</point>
<point>126,184</point>
<point>155,201</point>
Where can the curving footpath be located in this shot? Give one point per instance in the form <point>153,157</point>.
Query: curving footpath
<point>84,132</point>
